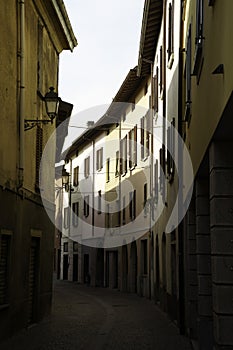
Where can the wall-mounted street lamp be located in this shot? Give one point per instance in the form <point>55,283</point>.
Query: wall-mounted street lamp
<point>51,100</point>
<point>65,177</point>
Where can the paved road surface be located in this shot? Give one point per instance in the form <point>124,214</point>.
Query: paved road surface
<point>95,319</point>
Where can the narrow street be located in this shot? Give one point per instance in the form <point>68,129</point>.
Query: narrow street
<point>96,318</point>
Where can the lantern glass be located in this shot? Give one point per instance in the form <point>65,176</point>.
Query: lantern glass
<point>51,103</point>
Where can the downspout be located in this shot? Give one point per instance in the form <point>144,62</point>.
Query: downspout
<point>180,167</point>
<point>22,94</point>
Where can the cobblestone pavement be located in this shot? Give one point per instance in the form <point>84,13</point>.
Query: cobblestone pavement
<point>96,318</point>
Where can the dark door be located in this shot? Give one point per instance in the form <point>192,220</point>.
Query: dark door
<point>86,269</point>
<point>65,267</point>
<point>75,267</point>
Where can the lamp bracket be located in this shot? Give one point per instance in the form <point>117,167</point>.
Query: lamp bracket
<point>31,123</point>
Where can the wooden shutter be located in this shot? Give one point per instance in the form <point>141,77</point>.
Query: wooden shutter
<point>135,146</point>
<point>142,138</point>
<point>156,93</point>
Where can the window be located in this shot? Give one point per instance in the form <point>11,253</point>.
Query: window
<point>198,59</point>
<point>145,199</point>
<point>65,247</point>
<point>108,216</point>
<point>147,131</point>
<point>99,159</point>
<point>211,2</point>
<point>142,138</point>
<point>4,267</point>
<point>39,149</point>
<point>156,184</point>
<point>108,170</point>
<point>75,247</point>
<point>87,167</point>
<point>156,92</point>
<point>161,70</point>
<point>76,176</point>
<point>66,217</point>
<point>162,168</point>
<point>75,213</point>
<point>99,202</point>
<point>86,206</point>
<point>188,78</point>
<point>132,205</point>
<point>117,170</point>
<point>171,146</point>
<point>170,49</point>
<point>145,135</point>
<point>123,158</point>
<point>123,211</point>
<point>133,147</point>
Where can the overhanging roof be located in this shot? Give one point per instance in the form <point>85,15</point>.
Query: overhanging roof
<point>151,24</point>
<point>113,114</point>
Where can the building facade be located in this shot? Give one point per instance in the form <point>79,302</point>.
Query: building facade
<point>183,257</point>
<point>33,35</point>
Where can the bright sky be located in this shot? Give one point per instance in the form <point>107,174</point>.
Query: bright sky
<point>108,34</point>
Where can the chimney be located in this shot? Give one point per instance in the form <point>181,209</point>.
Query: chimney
<point>90,124</point>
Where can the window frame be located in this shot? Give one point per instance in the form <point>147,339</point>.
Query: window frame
<point>87,167</point>
<point>99,159</point>
<point>76,176</point>
<point>66,222</point>
<point>86,206</point>
<point>75,214</point>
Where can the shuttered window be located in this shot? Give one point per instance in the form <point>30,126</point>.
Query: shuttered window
<point>188,77</point>
<point>4,268</point>
<point>156,180</point>
<point>170,49</point>
<point>76,176</point>
<point>156,92</point>
<point>87,167</point>
<point>171,150</point>
<point>132,205</point>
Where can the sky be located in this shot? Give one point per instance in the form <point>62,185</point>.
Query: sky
<point>108,35</point>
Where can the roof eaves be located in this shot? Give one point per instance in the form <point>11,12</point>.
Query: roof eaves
<point>151,23</point>
<point>60,10</point>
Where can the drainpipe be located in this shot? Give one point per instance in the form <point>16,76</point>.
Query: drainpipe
<point>22,93</point>
<point>180,167</point>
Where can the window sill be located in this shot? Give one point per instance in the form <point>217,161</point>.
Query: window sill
<point>133,167</point>
<point>4,306</point>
